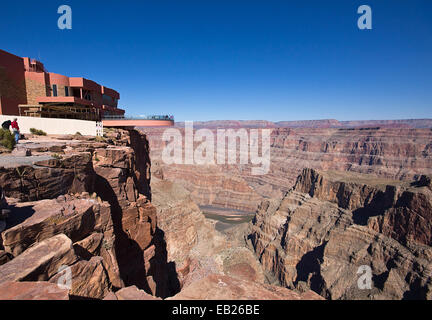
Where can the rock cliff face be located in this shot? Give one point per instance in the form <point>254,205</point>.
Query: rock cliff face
<point>193,244</point>
<point>330,225</point>
<point>96,217</point>
<point>84,222</point>
<point>392,153</point>
<point>209,264</point>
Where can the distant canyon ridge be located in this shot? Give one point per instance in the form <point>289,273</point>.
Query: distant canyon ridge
<point>325,123</point>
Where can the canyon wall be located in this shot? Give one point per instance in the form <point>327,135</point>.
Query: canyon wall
<point>85,221</point>
<point>330,225</point>
<point>392,153</point>
<point>209,264</point>
<point>87,208</point>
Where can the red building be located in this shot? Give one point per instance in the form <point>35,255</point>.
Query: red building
<point>27,89</point>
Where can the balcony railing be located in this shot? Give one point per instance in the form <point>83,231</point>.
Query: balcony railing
<point>141,117</point>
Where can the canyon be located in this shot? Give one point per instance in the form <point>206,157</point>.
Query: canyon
<point>109,214</point>
<point>392,153</point>
<point>83,219</point>
<point>335,199</point>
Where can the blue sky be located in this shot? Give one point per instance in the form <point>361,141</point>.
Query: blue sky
<point>208,60</point>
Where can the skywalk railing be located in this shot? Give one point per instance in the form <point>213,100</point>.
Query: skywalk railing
<point>141,117</point>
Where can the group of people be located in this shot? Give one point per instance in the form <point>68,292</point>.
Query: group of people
<point>15,128</point>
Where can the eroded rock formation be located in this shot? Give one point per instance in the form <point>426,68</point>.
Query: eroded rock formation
<point>392,153</point>
<point>194,246</point>
<point>330,224</point>
<point>86,208</point>
<point>85,211</point>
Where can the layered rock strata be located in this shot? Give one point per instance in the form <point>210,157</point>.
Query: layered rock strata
<point>96,202</point>
<point>85,223</point>
<point>331,227</point>
<point>392,153</point>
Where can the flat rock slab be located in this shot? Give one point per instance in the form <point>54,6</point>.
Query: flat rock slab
<point>32,291</point>
<point>130,293</point>
<point>39,262</point>
<point>46,218</point>
<point>221,287</point>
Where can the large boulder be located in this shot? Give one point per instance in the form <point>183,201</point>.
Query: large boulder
<point>76,218</point>
<point>89,279</point>
<point>41,261</point>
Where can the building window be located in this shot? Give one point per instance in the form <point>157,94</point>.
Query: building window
<point>87,96</point>
<point>54,92</point>
<point>66,91</point>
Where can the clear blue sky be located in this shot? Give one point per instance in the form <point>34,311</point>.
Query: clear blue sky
<point>208,60</point>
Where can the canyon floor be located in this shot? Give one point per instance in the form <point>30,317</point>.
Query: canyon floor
<point>106,218</point>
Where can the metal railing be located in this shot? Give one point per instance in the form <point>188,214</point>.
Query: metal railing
<point>141,117</point>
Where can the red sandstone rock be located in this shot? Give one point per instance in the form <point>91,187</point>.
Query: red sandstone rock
<point>4,257</point>
<point>130,293</point>
<point>76,218</point>
<point>89,246</point>
<point>49,179</point>
<point>397,154</point>
<point>32,291</point>
<point>39,262</point>
<point>193,244</point>
<point>89,279</point>
<point>313,239</point>
<point>221,287</point>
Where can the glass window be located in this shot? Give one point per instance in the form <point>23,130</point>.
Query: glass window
<point>54,92</point>
<point>67,91</point>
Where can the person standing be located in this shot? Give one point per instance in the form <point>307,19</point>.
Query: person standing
<point>15,129</point>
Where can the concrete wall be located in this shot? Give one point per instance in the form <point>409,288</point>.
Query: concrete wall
<point>55,126</point>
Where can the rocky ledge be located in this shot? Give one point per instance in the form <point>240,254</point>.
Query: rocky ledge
<point>83,221</point>
<point>82,205</point>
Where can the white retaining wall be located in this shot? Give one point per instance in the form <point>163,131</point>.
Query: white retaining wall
<point>56,126</point>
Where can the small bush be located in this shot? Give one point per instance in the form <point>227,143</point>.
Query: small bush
<point>78,133</point>
<point>7,139</point>
<point>37,132</point>
<point>100,139</point>
<point>56,156</point>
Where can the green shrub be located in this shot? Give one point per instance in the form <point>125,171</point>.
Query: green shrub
<point>100,139</point>
<point>78,133</point>
<point>56,156</point>
<point>37,132</point>
<point>7,139</point>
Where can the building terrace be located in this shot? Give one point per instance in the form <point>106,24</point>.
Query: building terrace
<point>27,89</point>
